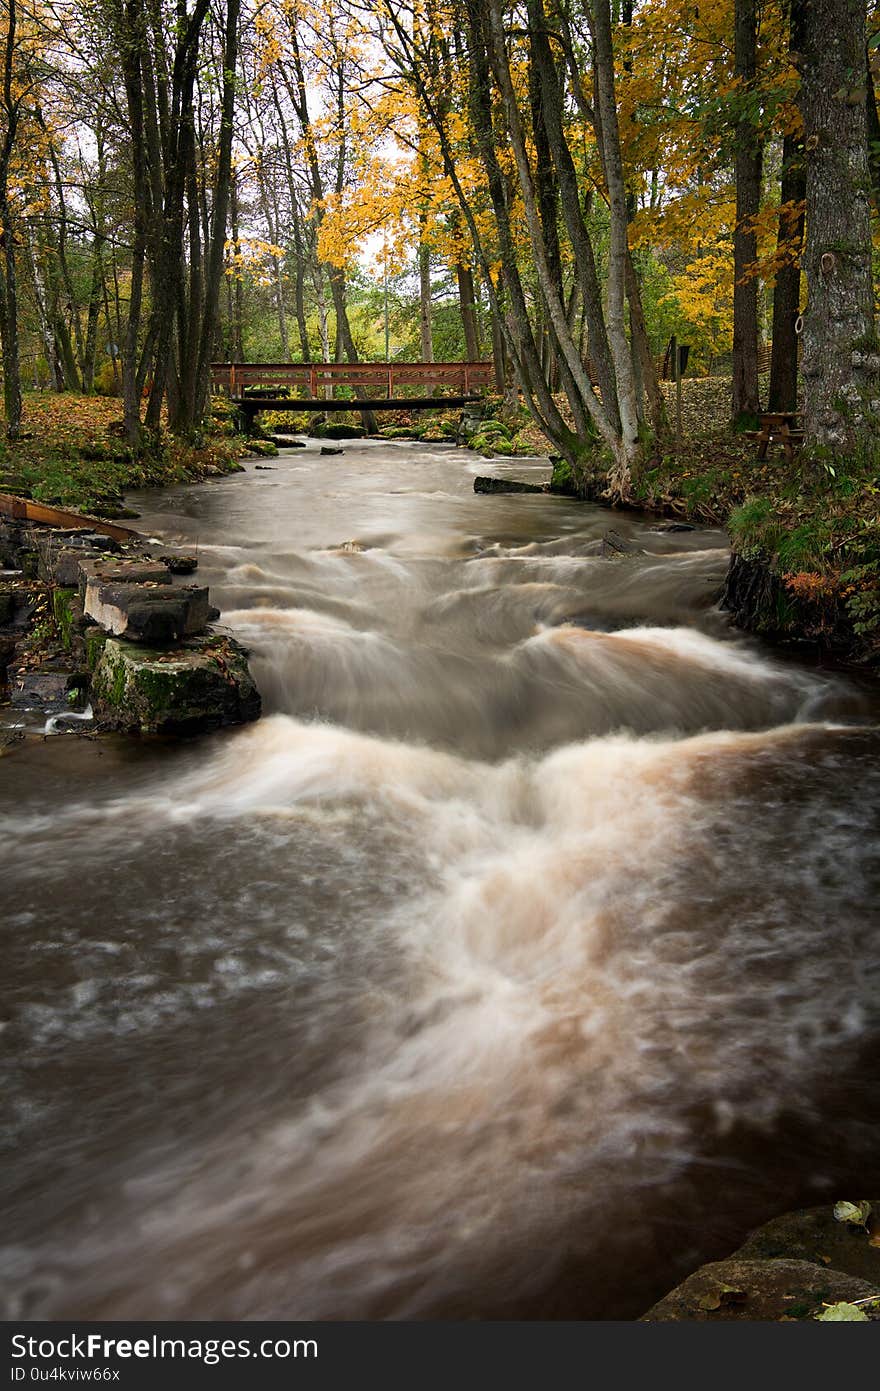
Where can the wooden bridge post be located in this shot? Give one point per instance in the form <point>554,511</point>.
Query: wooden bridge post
<point>313,382</point>
<point>232,379</point>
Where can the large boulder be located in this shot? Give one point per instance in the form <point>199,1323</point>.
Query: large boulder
<point>740,1289</point>
<point>203,684</point>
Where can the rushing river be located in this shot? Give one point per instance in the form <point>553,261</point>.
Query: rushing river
<point>520,958</point>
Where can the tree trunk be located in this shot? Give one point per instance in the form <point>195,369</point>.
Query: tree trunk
<point>130,42</point>
<point>745,401</point>
<point>569,193</point>
<point>426,334</point>
<point>465,278</point>
<point>840,351</point>
<point>237,293</point>
<point>499,356</point>
<point>873,131</point>
<point>46,320</point>
<point>782,395</point>
<point>627,448</point>
<point>214,251</point>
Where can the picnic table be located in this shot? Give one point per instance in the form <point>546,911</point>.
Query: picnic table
<point>778,427</point>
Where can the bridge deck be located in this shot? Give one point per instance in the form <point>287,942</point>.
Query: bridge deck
<point>442,383</point>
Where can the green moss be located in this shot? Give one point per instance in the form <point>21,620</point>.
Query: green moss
<point>337,430</point>
<point>64,619</point>
<point>94,639</point>
<point>562,479</point>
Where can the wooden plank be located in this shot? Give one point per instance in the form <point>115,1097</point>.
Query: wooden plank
<point>24,509</point>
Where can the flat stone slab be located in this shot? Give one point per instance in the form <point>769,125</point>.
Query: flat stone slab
<point>203,684</point>
<point>742,1289</point>
<point>156,614</point>
<point>139,570</point>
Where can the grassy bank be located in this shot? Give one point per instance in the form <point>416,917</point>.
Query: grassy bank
<point>807,531</point>
<point>74,454</point>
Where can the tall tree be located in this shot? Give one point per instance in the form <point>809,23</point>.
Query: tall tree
<point>748,165</point>
<point>13,97</point>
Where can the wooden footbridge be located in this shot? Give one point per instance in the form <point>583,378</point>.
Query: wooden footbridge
<point>370,386</point>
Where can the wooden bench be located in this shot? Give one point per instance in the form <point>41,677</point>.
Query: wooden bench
<point>778,427</point>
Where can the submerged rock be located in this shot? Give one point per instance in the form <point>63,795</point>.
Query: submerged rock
<point>338,432</point>
<point>203,684</point>
<point>483,484</point>
<point>52,692</point>
<point>180,563</point>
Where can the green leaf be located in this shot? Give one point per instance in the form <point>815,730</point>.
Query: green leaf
<point>842,1313</point>
<point>856,1214</point>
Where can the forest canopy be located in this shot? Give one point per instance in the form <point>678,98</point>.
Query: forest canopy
<point>561,185</point>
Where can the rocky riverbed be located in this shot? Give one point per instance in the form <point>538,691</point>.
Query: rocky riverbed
<point>110,630</point>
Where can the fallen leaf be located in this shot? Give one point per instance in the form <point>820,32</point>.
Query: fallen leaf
<point>856,1214</point>
<point>842,1313</point>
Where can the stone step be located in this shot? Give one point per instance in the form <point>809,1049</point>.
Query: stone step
<point>153,613</point>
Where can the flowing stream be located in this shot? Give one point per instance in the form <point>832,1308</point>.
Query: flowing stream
<point>519,959</point>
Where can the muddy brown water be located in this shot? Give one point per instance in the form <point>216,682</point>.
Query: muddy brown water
<point>519,959</point>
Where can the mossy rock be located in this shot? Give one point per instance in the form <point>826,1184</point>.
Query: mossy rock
<point>494,446</point>
<point>562,479</point>
<point>264,449</point>
<point>399,432</point>
<point>334,431</point>
<point>94,639</point>
<point>201,685</point>
<point>494,428</point>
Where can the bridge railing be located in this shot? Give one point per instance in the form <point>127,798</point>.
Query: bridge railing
<point>379,378</point>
